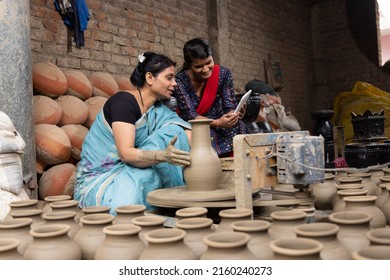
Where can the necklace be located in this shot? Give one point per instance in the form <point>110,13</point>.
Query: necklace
<point>150,130</point>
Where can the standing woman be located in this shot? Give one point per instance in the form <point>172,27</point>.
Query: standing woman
<point>136,144</point>
<point>206,90</point>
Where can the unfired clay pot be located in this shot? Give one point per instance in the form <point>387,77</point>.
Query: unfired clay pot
<point>205,171</point>
<point>166,244</point>
<point>296,249</point>
<point>379,236</point>
<point>196,229</point>
<point>353,228</point>
<point>121,243</point>
<point>9,249</point>
<point>386,207</point>
<point>51,198</point>
<point>382,197</point>
<point>326,234</point>
<point>148,223</point>
<point>375,252</point>
<point>259,238</point>
<point>67,205</point>
<point>228,216</point>
<point>284,223</point>
<point>34,214</point>
<point>63,217</point>
<point>366,204</point>
<point>91,234</point>
<point>51,242</point>
<point>367,183</point>
<point>324,192</point>
<point>21,205</point>
<point>18,228</point>
<point>126,213</point>
<point>340,203</point>
<point>191,212</point>
<point>226,245</point>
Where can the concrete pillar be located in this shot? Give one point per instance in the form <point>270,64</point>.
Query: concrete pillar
<point>16,89</point>
<point>217,19</point>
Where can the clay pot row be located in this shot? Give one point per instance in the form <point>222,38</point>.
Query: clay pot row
<point>49,80</point>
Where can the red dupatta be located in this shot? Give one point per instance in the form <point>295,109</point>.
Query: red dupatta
<point>210,92</point>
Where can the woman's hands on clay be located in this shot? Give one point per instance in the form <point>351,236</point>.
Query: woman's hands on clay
<point>173,155</point>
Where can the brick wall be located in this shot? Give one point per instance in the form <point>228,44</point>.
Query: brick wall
<point>317,50</point>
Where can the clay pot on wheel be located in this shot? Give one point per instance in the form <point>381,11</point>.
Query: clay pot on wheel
<point>205,171</point>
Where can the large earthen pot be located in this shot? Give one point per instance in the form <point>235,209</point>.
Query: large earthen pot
<point>95,104</point>
<point>52,144</point>
<point>46,110</point>
<point>124,83</point>
<point>103,84</point>
<point>48,79</point>
<point>74,110</point>
<point>76,134</point>
<point>78,84</point>
<point>57,180</point>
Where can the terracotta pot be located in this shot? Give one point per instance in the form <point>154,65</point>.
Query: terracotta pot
<point>18,228</point>
<point>296,249</point>
<point>124,83</point>
<point>340,203</point>
<point>51,242</point>
<point>67,205</point>
<point>78,84</point>
<point>191,212</point>
<point>228,216</point>
<point>57,180</point>
<point>76,134</point>
<point>91,235</point>
<point>324,192</point>
<point>326,234</point>
<point>48,79</point>
<point>94,104</point>
<point>375,252</point>
<point>46,110</point>
<point>259,238</point>
<point>34,214</point>
<point>148,223</point>
<point>284,223</point>
<point>74,110</point>
<point>367,183</point>
<point>9,249</point>
<point>52,144</point>
<point>103,84</point>
<point>63,217</point>
<point>379,236</point>
<point>205,171</point>
<point>196,229</point>
<point>366,204</point>
<point>353,228</point>
<point>227,245</point>
<point>166,244</point>
<point>126,213</point>
<point>121,243</point>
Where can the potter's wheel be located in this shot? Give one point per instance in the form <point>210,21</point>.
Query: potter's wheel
<point>180,196</point>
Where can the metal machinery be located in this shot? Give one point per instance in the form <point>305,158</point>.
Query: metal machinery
<point>260,162</point>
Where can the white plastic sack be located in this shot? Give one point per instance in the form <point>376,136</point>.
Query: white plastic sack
<point>11,173</point>
<point>10,140</point>
<point>6,198</point>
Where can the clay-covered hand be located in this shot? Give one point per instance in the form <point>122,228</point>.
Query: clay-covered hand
<point>173,155</point>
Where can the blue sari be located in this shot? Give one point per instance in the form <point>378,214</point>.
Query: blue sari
<point>103,179</point>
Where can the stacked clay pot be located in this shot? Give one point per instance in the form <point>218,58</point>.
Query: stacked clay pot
<point>66,102</point>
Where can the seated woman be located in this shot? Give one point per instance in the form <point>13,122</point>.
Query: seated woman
<point>206,90</point>
<point>136,144</point>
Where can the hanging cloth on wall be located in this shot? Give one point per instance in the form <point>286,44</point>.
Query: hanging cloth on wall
<point>75,15</point>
